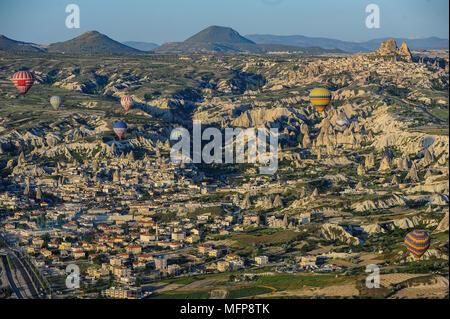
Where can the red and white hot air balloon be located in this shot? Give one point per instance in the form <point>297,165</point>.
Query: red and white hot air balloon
<point>23,80</point>
<point>127,102</point>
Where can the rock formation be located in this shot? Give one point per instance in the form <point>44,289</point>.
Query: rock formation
<point>412,174</point>
<point>361,170</point>
<point>277,201</point>
<point>385,164</point>
<point>370,161</point>
<point>389,48</point>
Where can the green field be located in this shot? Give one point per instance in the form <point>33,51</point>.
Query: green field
<point>247,292</point>
<point>286,282</point>
<point>186,295</point>
<point>440,113</point>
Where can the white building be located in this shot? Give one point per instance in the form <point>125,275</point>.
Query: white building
<point>261,260</point>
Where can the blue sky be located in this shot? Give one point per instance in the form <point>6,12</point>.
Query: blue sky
<point>43,21</point>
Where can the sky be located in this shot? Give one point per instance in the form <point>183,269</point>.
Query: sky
<point>159,21</point>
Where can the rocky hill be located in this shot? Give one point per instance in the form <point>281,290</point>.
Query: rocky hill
<point>91,42</point>
<point>389,48</point>
<point>218,34</point>
<point>8,44</point>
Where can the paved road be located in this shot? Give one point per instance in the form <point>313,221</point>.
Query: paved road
<point>25,276</point>
<point>10,278</point>
<point>27,273</point>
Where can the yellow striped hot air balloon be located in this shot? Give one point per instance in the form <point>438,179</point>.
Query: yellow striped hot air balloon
<point>320,98</point>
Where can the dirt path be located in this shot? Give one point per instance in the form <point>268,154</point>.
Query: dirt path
<point>436,290</point>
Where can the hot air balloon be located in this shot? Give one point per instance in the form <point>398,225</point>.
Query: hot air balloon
<point>417,242</point>
<point>55,101</point>
<point>127,102</point>
<point>23,80</point>
<point>120,128</point>
<point>342,122</point>
<point>320,98</point>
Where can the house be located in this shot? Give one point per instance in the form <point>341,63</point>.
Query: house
<point>251,220</point>
<point>173,269</point>
<point>179,235</point>
<point>139,264</point>
<point>192,239</point>
<point>144,257</point>
<point>223,266</point>
<point>203,248</point>
<point>121,271</point>
<point>176,245</point>
<point>215,253</point>
<point>134,249</point>
<point>122,293</point>
<point>161,263</point>
<point>65,246</point>
<point>115,261</point>
<point>45,252</point>
<point>147,237</point>
<point>261,260</point>
<point>77,254</point>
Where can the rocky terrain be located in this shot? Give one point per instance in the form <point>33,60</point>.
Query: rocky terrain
<point>364,184</point>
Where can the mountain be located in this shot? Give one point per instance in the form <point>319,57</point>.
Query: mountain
<point>216,39</point>
<point>302,41</point>
<point>142,46</point>
<point>8,44</point>
<point>92,42</point>
<point>218,34</point>
<point>327,43</point>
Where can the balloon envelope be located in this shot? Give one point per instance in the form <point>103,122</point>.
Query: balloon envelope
<point>120,128</point>
<point>320,98</point>
<point>127,102</point>
<point>417,242</point>
<point>55,101</point>
<point>23,80</point>
<point>342,122</point>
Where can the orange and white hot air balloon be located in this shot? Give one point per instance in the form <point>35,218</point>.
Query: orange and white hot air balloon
<point>23,80</point>
<point>127,102</point>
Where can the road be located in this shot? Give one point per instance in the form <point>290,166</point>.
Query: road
<point>422,107</point>
<point>34,285</point>
<point>12,284</point>
<point>25,275</point>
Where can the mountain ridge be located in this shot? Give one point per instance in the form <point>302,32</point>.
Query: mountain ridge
<point>349,46</point>
<point>217,39</point>
<point>140,45</point>
<point>14,45</point>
